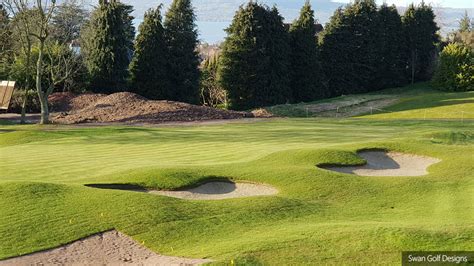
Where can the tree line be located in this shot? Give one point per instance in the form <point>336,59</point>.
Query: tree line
<point>263,61</point>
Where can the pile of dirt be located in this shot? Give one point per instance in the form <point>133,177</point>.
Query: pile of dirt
<point>109,248</point>
<point>126,107</point>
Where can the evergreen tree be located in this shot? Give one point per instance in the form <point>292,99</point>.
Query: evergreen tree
<point>391,42</point>
<point>349,48</point>
<point>6,44</point>
<point>306,73</point>
<point>254,65</point>
<point>107,43</point>
<point>420,31</point>
<point>148,67</point>
<point>335,54</point>
<point>183,60</point>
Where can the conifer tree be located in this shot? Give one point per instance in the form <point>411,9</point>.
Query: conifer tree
<point>420,30</point>
<point>349,48</point>
<point>148,66</point>
<point>183,60</point>
<point>254,64</point>
<point>6,44</point>
<point>306,73</point>
<point>107,43</point>
<point>391,42</point>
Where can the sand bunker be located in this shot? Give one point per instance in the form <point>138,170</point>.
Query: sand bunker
<point>213,190</point>
<point>381,163</point>
<point>109,248</point>
<point>220,190</point>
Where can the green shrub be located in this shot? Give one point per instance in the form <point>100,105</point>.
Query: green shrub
<point>455,70</point>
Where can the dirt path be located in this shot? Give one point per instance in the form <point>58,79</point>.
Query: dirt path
<point>380,163</point>
<point>109,248</point>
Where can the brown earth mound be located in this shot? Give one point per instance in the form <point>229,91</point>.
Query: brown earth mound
<point>126,107</point>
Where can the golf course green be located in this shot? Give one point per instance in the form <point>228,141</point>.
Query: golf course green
<point>318,216</point>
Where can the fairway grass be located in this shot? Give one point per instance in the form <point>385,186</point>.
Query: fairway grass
<point>317,217</point>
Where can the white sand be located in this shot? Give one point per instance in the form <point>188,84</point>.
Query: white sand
<point>109,248</point>
<point>380,163</point>
<point>219,190</point>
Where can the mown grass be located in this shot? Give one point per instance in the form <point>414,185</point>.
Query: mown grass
<point>319,217</point>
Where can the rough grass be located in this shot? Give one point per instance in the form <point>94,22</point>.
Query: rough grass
<point>319,216</point>
<point>418,101</point>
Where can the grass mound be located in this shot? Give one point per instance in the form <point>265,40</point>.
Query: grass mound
<point>453,138</point>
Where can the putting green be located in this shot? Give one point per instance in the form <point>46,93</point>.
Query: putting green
<point>318,216</point>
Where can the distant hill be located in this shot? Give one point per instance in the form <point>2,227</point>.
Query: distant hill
<point>224,10</point>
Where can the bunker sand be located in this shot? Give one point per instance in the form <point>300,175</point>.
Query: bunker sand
<point>109,248</point>
<point>381,163</point>
<point>220,190</point>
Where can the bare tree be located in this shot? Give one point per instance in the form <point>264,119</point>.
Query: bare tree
<point>62,65</point>
<point>44,10</point>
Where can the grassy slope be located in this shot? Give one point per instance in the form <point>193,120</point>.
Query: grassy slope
<point>417,101</point>
<point>430,104</point>
<point>318,217</point>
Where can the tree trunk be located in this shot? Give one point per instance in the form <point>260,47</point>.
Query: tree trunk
<point>23,107</point>
<point>43,96</point>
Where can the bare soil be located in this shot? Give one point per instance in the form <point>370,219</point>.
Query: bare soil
<point>126,107</point>
<point>109,248</point>
<point>380,163</point>
<point>354,106</point>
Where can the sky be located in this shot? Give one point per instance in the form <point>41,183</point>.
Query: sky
<point>435,3</point>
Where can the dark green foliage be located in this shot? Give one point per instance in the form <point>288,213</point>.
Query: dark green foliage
<point>306,73</point>
<point>107,44</point>
<point>183,61</point>
<point>392,54</point>
<point>420,31</point>
<point>455,70</point>
<point>254,64</point>
<point>148,67</point>
<point>6,44</point>
<point>349,48</point>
